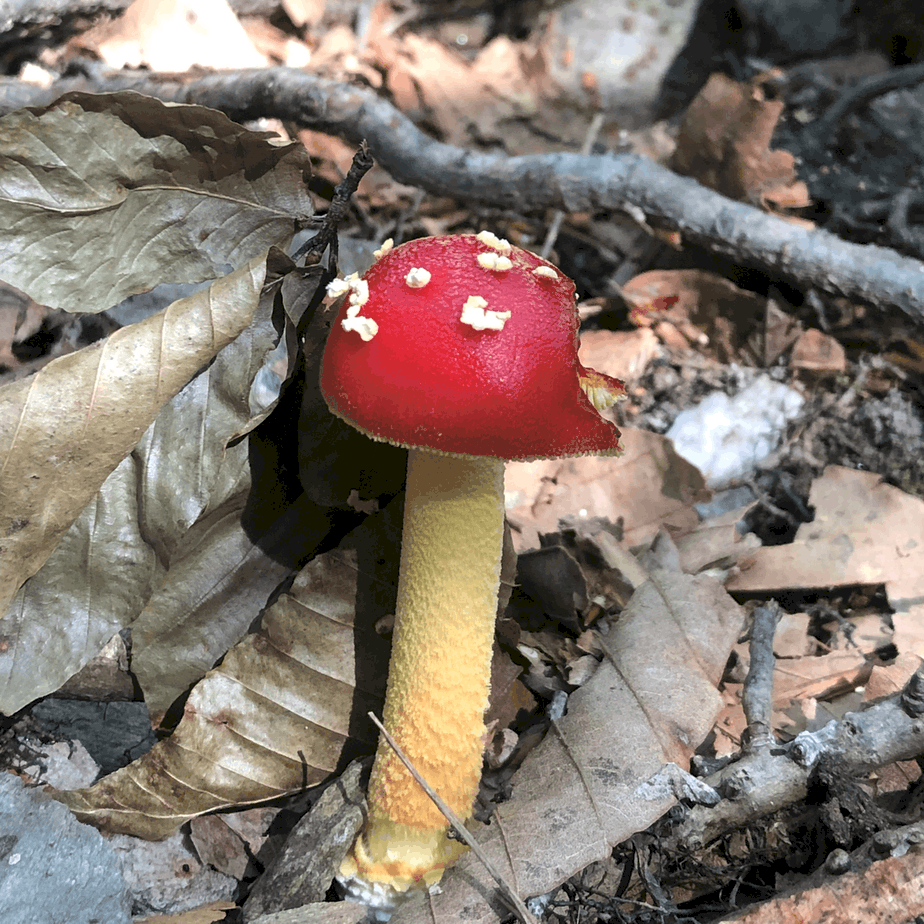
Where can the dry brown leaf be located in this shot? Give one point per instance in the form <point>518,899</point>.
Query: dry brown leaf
<point>91,585</point>
<point>330,148</point>
<point>171,535</point>
<point>212,913</point>
<point>650,486</point>
<point>731,723</point>
<point>724,142</point>
<point>650,703</point>
<point>305,12</point>
<point>870,633</point>
<point>625,355</point>
<point>716,543</point>
<point>514,74</point>
<point>780,332</point>
<point>815,351</point>
<point>175,35</point>
<point>209,598</point>
<point>887,680</point>
<point>65,429</point>
<point>20,318</point>
<point>442,82</point>
<point>108,195</point>
<point>908,623</point>
<point>276,717</point>
<point>278,47</point>
<point>462,98</point>
<point>792,639</point>
<point>711,314</point>
<point>818,678</point>
<point>864,532</point>
<point>9,321</point>
<point>106,217</point>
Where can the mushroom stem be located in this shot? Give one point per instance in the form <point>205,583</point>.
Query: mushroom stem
<point>440,671</point>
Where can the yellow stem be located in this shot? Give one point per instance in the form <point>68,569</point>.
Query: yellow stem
<point>440,671</point>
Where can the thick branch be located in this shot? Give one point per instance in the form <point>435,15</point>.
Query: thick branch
<point>572,182</point>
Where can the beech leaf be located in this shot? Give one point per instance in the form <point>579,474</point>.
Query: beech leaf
<point>89,588</point>
<point>106,195</point>
<point>63,433</point>
<point>276,716</point>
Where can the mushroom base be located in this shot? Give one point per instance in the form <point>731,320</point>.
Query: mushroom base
<point>389,859</point>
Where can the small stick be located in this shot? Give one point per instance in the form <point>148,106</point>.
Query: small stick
<point>315,246</point>
<point>507,893</point>
<point>596,123</point>
<point>863,92</point>
<point>757,694</point>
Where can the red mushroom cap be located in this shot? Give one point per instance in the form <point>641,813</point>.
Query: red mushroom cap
<point>436,362</point>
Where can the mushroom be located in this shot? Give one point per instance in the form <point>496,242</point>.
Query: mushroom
<point>468,360</point>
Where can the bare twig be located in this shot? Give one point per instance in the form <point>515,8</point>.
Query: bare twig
<point>766,781</point>
<point>504,888</point>
<point>863,92</point>
<point>757,695</point>
<point>315,246</point>
<point>593,130</point>
<point>570,182</point>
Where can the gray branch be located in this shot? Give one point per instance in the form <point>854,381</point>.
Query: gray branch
<point>757,693</point>
<point>572,182</point>
<point>765,781</point>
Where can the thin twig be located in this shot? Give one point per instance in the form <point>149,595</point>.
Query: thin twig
<point>863,92</point>
<point>593,130</point>
<point>315,246</point>
<point>766,781</point>
<point>506,892</point>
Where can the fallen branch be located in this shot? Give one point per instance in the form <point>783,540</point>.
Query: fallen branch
<point>767,780</point>
<point>649,193</point>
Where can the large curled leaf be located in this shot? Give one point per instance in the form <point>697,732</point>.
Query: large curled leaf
<point>62,432</point>
<point>650,703</point>
<point>90,587</point>
<point>105,196</point>
<point>274,718</point>
<point>195,480</point>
